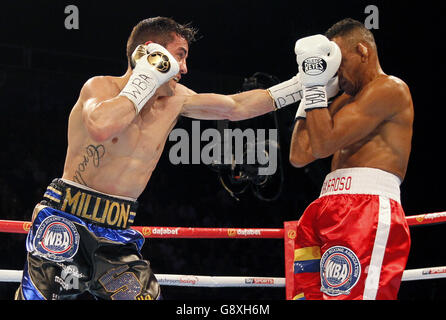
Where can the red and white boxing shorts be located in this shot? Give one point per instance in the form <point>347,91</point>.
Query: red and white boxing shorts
<point>353,241</point>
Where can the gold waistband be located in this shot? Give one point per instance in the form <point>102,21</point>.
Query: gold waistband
<point>91,206</point>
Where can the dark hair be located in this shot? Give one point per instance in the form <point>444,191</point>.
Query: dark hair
<point>350,29</point>
<point>159,30</point>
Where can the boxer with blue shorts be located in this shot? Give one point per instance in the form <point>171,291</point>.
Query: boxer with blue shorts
<point>80,241</point>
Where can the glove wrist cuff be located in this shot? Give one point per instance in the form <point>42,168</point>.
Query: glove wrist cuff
<point>315,97</point>
<point>286,93</point>
<point>140,88</point>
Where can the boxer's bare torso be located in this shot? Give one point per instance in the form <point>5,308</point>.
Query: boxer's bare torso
<point>387,146</point>
<point>370,125</point>
<point>110,148</point>
<point>115,152</point>
<point>121,165</point>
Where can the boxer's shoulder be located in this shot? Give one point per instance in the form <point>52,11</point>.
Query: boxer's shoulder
<point>100,86</point>
<point>386,91</point>
<point>400,88</point>
<point>387,97</point>
<point>395,92</point>
<point>396,81</point>
<point>389,85</point>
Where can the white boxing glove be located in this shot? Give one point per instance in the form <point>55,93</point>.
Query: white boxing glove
<point>153,65</point>
<point>332,89</point>
<point>287,92</point>
<point>319,60</point>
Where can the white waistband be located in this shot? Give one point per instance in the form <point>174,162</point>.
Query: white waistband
<point>362,181</point>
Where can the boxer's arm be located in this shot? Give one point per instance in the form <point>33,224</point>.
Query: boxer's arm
<point>300,148</point>
<point>357,119</point>
<point>248,104</point>
<point>240,106</point>
<point>104,112</point>
<point>301,153</point>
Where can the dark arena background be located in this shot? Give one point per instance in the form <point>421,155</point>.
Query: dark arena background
<point>43,65</point>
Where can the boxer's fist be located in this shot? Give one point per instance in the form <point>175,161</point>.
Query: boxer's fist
<point>319,60</point>
<point>286,93</point>
<point>153,66</point>
<point>332,89</point>
<point>155,59</point>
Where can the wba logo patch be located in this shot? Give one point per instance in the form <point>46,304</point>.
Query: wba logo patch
<point>56,239</point>
<point>340,271</point>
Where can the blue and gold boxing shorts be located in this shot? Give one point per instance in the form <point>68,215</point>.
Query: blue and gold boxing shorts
<point>80,243</point>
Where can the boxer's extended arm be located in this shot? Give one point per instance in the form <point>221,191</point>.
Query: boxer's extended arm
<point>248,104</point>
<point>379,102</point>
<point>240,106</point>
<point>104,113</point>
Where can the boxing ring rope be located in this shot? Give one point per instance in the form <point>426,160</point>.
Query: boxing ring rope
<point>181,280</point>
<point>11,226</point>
<point>22,227</point>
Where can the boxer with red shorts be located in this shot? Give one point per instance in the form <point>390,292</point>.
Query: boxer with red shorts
<point>353,241</point>
<point>357,236</point>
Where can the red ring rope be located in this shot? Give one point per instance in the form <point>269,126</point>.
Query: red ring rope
<point>11,226</point>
